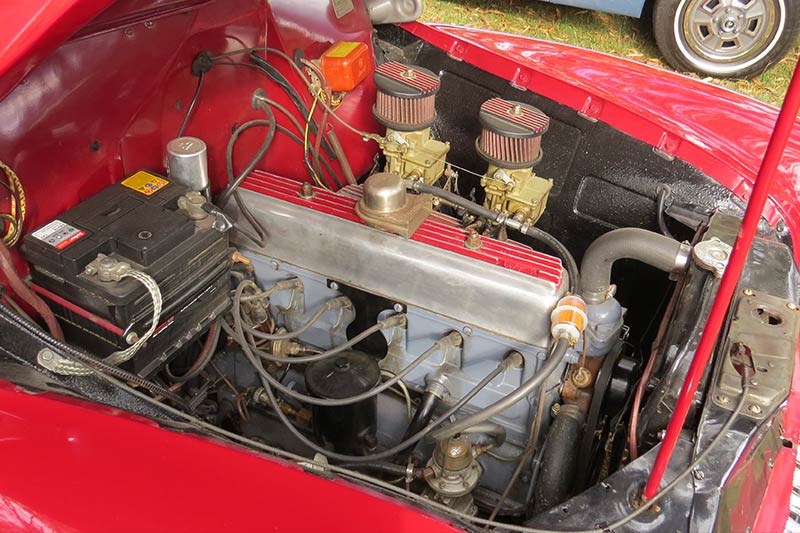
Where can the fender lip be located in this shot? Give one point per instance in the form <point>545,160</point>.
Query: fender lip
<point>719,131</point>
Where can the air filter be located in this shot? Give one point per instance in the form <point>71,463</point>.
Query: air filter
<point>406,96</point>
<point>512,133</point>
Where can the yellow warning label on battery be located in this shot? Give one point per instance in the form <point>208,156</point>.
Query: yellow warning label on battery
<point>145,183</point>
<point>341,49</point>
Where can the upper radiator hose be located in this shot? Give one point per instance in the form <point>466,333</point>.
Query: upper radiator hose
<point>646,246</point>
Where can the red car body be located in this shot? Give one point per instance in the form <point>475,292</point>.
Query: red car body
<point>75,466</point>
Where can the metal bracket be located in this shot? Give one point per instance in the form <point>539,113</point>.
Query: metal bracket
<point>712,254</point>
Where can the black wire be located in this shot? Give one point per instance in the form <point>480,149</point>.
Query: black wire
<point>235,182</point>
<point>96,364</point>
<point>276,76</point>
<point>663,193</point>
<point>301,107</point>
<point>192,105</point>
<point>532,231</point>
<point>562,251</point>
<point>191,374</point>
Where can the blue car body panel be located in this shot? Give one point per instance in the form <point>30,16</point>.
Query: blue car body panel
<point>630,8</point>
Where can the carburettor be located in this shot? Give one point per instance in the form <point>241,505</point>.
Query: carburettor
<point>511,143</point>
<point>405,106</point>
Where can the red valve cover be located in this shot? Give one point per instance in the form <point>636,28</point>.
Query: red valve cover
<point>438,230</point>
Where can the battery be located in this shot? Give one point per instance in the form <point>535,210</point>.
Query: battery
<point>142,220</point>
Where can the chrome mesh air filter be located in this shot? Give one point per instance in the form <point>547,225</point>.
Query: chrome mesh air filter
<point>512,133</point>
<point>406,96</point>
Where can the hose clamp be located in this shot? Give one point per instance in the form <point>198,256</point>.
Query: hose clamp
<point>409,471</point>
<point>684,256</point>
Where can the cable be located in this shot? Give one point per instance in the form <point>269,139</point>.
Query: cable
<point>385,468</point>
<point>394,450</point>
<point>260,61</point>
<point>102,369</point>
<point>553,362</point>
<point>310,116</point>
<point>238,330</point>
<point>403,392</point>
<point>192,105</point>
<point>384,324</point>
<point>13,232</point>
<point>562,251</point>
<point>206,354</point>
<point>330,305</point>
<point>663,192</point>
<point>66,367</point>
<point>525,456</point>
<point>275,75</point>
<point>16,217</point>
<point>439,345</point>
<point>531,231</point>
<point>15,306</point>
<point>235,182</point>
<point>330,148</point>
<point>23,291</point>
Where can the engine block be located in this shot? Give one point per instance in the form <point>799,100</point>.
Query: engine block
<point>499,296</point>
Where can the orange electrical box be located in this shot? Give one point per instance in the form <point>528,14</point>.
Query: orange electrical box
<point>345,65</point>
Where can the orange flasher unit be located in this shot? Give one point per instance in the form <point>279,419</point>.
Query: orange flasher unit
<point>345,65</point>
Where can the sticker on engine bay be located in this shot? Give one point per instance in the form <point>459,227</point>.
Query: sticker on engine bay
<point>59,234</point>
<point>342,7</point>
<point>145,183</point>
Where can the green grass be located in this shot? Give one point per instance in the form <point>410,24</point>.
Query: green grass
<point>622,36</point>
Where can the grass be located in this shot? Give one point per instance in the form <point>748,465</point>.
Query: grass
<point>622,36</point>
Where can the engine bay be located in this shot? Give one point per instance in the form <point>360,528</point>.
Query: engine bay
<point>429,296</point>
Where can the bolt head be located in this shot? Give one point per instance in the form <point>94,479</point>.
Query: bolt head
<point>306,190</point>
<point>748,292</point>
<point>131,337</point>
<point>473,241</point>
<point>755,409</point>
<point>467,331</point>
<point>334,286</point>
<point>792,306</point>
<point>46,355</point>
<point>721,398</point>
<point>398,308</point>
<point>698,474</point>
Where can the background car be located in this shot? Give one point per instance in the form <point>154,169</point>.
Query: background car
<point>720,38</point>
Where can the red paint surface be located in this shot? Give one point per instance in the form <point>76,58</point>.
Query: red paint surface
<point>730,280</point>
<point>720,132</point>
<point>69,468</point>
<point>32,30</point>
<point>119,79</point>
<point>438,230</point>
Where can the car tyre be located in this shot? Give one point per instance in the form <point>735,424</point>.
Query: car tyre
<point>725,38</point>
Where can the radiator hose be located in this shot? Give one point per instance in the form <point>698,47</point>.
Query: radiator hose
<point>654,249</point>
<point>559,458</point>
